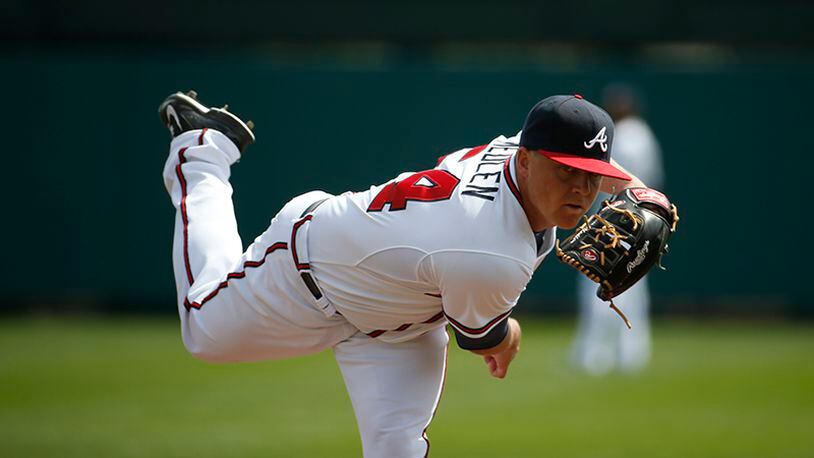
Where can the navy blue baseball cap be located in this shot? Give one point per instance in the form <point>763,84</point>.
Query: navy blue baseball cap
<point>572,131</point>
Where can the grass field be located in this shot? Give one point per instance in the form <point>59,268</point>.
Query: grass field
<point>126,388</point>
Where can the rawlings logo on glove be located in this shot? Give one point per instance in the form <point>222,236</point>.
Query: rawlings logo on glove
<point>640,255</point>
<point>628,236</point>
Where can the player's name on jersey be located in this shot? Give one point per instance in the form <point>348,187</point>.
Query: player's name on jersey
<point>486,179</point>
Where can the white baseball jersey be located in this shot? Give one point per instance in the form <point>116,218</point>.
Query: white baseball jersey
<point>447,244</point>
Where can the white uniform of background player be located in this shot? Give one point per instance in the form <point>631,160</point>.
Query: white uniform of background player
<point>374,275</point>
<point>603,343</point>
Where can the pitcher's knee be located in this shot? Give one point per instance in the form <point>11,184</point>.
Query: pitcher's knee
<point>396,444</point>
<point>208,353</point>
<point>217,348</point>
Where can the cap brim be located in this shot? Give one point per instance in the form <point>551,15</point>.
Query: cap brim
<point>587,164</point>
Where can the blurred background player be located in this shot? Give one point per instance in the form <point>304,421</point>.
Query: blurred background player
<point>603,343</point>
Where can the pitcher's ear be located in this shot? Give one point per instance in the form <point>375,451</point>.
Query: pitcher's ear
<point>523,163</point>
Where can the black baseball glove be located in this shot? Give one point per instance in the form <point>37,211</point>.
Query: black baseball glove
<point>617,246</point>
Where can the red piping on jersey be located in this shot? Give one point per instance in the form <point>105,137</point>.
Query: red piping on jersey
<point>184,217</point>
<point>405,326</point>
<point>241,274</point>
<point>473,152</point>
<point>510,181</point>
<point>297,226</point>
<point>481,329</point>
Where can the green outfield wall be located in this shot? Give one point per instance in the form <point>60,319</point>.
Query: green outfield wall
<point>87,219</point>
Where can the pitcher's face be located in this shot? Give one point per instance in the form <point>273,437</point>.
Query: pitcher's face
<point>555,194</point>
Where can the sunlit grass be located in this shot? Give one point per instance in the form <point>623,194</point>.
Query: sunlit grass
<point>126,388</point>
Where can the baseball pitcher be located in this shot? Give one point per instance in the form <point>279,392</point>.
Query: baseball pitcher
<point>377,275</point>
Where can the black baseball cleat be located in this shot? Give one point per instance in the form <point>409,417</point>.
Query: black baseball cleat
<point>182,112</point>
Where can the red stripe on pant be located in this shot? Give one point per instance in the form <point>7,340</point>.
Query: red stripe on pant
<point>235,275</point>
<point>184,216</point>
<point>440,395</point>
<point>405,326</point>
<point>297,225</point>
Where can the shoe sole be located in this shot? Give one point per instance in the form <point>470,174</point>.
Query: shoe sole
<point>203,110</point>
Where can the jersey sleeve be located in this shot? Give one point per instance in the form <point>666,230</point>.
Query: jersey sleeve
<point>478,292</point>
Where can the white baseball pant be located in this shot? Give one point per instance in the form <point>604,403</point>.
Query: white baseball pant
<point>254,305</point>
<point>603,343</point>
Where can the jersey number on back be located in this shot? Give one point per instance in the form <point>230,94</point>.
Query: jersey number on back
<point>427,186</point>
